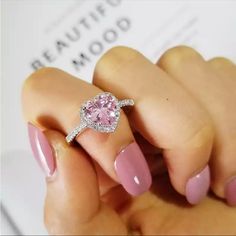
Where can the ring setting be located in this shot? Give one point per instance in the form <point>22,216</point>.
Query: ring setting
<point>100,113</point>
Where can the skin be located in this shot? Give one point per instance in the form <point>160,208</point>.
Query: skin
<point>179,117</point>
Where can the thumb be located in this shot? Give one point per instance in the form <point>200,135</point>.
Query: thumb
<point>72,204</point>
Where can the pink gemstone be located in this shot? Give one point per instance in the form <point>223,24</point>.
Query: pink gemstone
<point>101,110</point>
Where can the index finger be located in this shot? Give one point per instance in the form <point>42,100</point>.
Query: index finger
<point>52,98</point>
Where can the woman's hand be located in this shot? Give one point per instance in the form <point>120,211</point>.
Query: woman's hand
<point>184,113</point>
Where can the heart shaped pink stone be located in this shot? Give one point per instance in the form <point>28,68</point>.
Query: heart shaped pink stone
<point>101,110</point>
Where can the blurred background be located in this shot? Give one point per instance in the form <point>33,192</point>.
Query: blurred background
<point>72,35</point>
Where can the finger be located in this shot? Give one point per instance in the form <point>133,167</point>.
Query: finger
<point>72,205</point>
<point>165,114</point>
<point>226,70</point>
<point>153,155</point>
<point>217,94</point>
<point>222,63</point>
<point>51,98</point>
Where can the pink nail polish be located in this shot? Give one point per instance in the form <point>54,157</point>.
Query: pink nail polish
<point>198,186</point>
<point>230,192</point>
<point>132,170</point>
<point>42,150</point>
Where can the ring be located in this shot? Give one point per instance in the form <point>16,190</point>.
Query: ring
<point>101,113</point>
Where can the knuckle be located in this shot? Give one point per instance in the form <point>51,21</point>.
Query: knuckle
<point>178,55</point>
<point>119,52</point>
<point>33,81</point>
<point>220,62</point>
<point>122,50</point>
<point>34,87</point>
<point>201,137</point>
<point>112,60</point>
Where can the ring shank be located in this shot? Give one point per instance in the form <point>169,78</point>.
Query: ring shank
<point>77,130</point>
<point>126,102</point>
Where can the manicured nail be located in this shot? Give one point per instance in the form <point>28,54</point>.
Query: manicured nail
<point>198,186</point>
<point>230,192</point>
<point>42,150</point>
<point>132,170</point>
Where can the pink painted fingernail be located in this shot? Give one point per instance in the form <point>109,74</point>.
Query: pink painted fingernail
<point>230,192</point>
<point>132,170</point>
<point>198,186</point>
<point>42,150</point>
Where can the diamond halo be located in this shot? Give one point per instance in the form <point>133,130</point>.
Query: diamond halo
<point>101,113</point>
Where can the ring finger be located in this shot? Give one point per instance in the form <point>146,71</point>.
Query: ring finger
<point>215,89</point>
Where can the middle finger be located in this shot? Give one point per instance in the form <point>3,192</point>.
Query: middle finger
<point>165,114</point>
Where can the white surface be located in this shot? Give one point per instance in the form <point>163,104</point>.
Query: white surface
<point>23,191</point>
<point>7,226</point>
<point>30,27</point>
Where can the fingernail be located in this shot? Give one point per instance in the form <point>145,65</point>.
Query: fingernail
<point>42,150</point>
<point>230,192</point>
<point>132,170</point>
<point>198,186</point>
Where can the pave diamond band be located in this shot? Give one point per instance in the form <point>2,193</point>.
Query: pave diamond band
<point>78,129</point>
<point>101,113</point>
<point>126,102</point>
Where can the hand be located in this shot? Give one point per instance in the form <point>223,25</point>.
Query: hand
<point>184,113</point>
